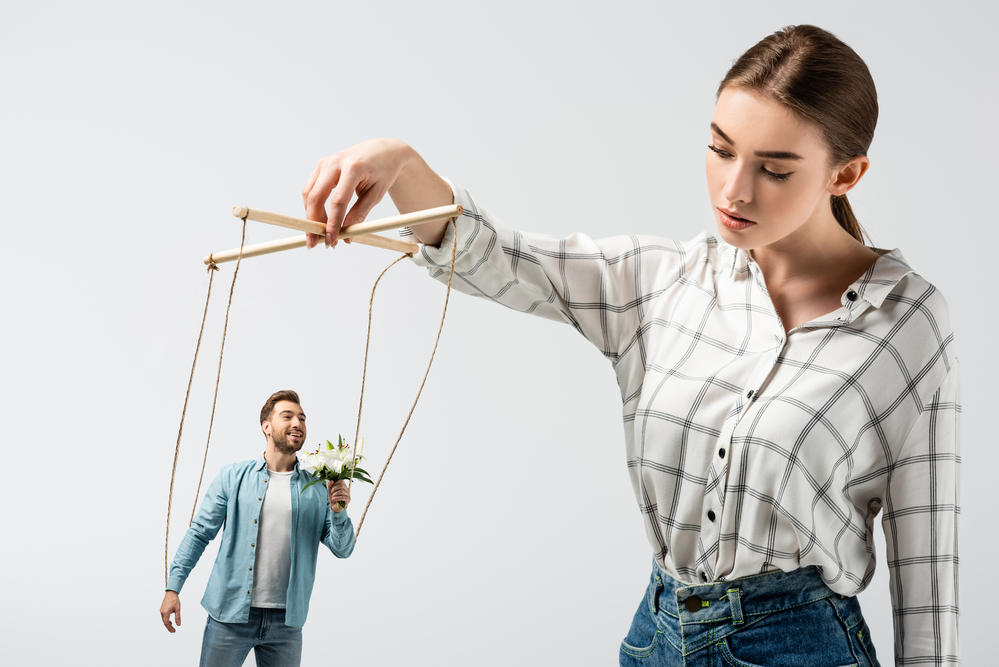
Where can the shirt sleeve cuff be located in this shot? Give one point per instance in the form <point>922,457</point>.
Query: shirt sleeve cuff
<point>440,256</point>
<point>406,232</point>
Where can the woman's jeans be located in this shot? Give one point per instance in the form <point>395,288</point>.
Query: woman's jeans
<point>783,619</point>
<point>274,643</point>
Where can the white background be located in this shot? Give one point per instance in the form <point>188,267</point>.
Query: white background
<point>506,528</point>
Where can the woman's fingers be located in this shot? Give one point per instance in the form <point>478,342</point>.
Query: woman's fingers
<point>312,239</point>
<point>367,199</point>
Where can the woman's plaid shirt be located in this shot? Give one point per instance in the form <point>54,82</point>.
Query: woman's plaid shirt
<point>751,450</point>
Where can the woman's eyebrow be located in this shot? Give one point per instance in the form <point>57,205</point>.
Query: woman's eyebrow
<point>778,155</point>
<point>721,134</point>
<point>773,155</point>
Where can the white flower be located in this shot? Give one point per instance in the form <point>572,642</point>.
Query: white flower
<point>310,462</point>
<point>333,458</point>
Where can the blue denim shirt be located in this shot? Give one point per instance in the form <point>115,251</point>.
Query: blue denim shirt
<point>235,498</point>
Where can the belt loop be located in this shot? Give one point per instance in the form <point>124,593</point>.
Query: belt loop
<point>655,597</point>
<point>734,601</point>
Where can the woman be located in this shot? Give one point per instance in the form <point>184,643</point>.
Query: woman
<point>781,384</point>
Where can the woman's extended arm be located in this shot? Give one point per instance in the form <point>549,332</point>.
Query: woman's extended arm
<point>370,169</point>
<point>602,288</point>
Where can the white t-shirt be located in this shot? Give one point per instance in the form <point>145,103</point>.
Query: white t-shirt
<point>272,566</point>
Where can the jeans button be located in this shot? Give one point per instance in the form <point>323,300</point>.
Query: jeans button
<point>693,603</point>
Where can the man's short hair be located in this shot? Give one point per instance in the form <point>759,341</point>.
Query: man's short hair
<point>283,395</point>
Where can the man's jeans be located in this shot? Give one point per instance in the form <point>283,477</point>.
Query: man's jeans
<point>274,643</point>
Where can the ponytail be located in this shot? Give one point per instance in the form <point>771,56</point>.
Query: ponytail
<point>843,213</point>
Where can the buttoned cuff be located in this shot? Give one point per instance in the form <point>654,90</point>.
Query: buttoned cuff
<point>175,584</point>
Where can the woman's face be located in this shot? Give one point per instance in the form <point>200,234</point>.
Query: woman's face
<point>768,171</point>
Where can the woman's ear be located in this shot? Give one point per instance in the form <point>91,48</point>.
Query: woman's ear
<point>849,175</point>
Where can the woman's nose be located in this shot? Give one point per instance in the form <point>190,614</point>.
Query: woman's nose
<point>738,185</point>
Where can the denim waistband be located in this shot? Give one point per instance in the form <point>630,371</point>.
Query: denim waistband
<point>706,613</point>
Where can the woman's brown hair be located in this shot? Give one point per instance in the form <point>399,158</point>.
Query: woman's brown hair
<point>825,82</point>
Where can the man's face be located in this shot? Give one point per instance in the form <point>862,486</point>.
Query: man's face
<point>286,427</point>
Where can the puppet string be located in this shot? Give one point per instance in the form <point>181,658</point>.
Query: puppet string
<point>212,268</point>
<point>218,373</point>
<point>364,371</point>
<point>447,296</point>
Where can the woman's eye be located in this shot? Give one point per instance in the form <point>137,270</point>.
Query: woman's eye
<point>775,176</point>
<point>719,152</point>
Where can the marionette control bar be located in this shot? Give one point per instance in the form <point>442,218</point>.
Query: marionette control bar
<point>363,232</point>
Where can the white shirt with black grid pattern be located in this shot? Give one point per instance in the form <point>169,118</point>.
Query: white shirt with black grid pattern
<point>751,450</point>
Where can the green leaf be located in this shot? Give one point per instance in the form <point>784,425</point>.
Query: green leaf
<point>315,481</point>
<point>362,476</point>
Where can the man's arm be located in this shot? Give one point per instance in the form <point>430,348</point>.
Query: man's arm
<point>203,530</point>
<point>338,531</point>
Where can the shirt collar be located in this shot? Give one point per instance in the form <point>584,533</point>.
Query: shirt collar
<point>880,280</point>
<point>873,287</point>
<point>262,464</point>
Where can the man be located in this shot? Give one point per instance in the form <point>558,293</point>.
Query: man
<point>258,592</point>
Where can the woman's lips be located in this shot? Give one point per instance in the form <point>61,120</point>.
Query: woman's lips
<point>732,221</point>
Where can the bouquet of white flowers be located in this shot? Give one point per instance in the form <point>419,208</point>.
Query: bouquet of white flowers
<point>334,463</point>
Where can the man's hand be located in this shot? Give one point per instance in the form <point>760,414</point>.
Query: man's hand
<point>339,492</point>
<point>171,605</point>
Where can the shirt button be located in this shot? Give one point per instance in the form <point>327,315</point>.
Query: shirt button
<point>711,515</point>
<point>749,394</point>
<point>693,603</point>
<point>851,296</point>
<point>251,567</point>
<point>721,453</point>
<point>704,576</point>
<point>254,521</point>
<point>247,592</point>
<point>252,544</point>
<point>261,498</point>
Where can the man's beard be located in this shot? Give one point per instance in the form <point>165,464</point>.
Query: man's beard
<point>283,446</point>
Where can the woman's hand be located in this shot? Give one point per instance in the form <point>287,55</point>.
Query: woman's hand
<point>370,170</point>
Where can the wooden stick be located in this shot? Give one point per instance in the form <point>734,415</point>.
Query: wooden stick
<point>372,227</point>
<point>293,242</point>
<point>363,232</point>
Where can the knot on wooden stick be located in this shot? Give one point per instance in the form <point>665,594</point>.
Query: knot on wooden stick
<point>212,266</point>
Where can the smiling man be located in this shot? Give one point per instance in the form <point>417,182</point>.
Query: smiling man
<point>258,593</point>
